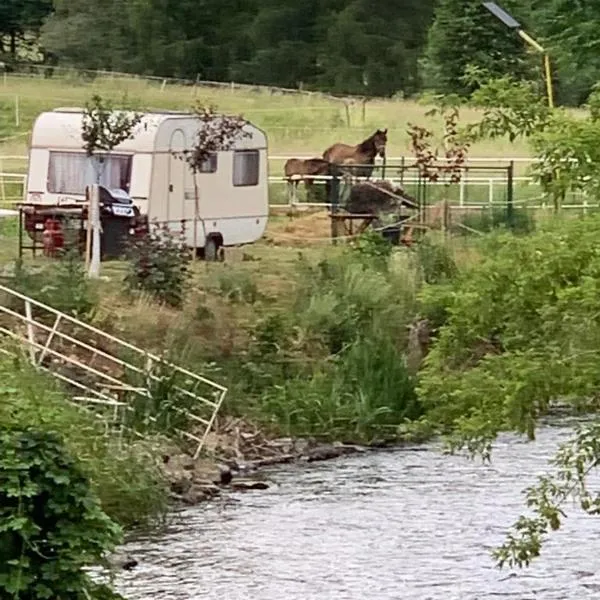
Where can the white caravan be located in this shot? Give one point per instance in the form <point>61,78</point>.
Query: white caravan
<point>233,203</point>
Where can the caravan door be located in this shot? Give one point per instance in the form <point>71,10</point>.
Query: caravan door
<point>177,167</point>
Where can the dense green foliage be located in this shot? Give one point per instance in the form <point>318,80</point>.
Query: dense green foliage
<point>349,47</point>
<point>517,332</point>
<point>159,265</point>
<point>52,525</point>
<point>124,476</point>
<point>332,362</point>
<point>465,33</point>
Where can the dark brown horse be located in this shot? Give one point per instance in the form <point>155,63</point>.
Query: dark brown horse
<point>297,169</point>
<point>361,154</point>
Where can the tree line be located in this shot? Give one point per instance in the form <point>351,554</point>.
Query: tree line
<point>338,46</point>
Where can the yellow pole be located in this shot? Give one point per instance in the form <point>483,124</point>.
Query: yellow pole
<point>548,80</point>
<point>547,71</point>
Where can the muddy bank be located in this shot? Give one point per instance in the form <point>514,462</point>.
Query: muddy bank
<point>235,455</point>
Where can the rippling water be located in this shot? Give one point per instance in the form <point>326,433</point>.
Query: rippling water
<point>411,524</point>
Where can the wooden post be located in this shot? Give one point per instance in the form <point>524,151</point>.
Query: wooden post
<point>94,218</point>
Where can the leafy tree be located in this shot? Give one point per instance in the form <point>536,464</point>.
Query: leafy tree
<point>18,17</point>
<point>565,145</point>
<point>520,332</point>
<point>569,29</point>
<point>104,128</point>
<point>87,34</point>
<point>464,33</point>
<point>372,49</point>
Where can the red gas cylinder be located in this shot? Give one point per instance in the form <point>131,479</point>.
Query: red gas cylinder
<point>52,237</point>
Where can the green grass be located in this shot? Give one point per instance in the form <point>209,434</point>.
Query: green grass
<point>295,124</point>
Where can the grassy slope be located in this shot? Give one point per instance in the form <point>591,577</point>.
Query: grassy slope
<point>295,124</point>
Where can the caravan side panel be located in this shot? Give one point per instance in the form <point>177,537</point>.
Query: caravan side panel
<point>234,201</point>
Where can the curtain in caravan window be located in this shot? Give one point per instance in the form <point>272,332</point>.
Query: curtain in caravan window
<point>71,172</point>
<point>245,167</point>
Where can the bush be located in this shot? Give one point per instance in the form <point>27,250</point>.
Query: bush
<point>159,264</point>
<point>434,261</point>
<point>123,475</point>
<point>521,330</point>
<point>52,523</point>
<point>486,221</point>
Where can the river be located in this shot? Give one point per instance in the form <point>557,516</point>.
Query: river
<point>412,524</point>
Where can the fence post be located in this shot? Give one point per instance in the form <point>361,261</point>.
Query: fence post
<point>94,219</point>
<point>2,188</point>
<point>510,212</point>
<point>334,194</point>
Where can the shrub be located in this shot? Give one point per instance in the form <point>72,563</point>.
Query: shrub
<point>159,264</point>
<point>123,475</point>
<point>52,523</point>
<point>521,330</point>
<point>486,221</point>
<point>435,261</point>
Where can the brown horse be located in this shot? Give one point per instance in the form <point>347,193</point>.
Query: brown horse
<point>361,154</point>
<point>296,170</point>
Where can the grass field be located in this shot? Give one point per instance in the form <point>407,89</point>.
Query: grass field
<point>295,124</point>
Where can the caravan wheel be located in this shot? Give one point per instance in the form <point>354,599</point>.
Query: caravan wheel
<point>211,249</point>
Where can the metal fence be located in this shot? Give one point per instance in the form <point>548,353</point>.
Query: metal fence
<point>479,186</point>
<point>92,363</point>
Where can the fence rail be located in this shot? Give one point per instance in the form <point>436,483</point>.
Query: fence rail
<point>88,360</point>
<point>467,183</point>
<point>12,183</point>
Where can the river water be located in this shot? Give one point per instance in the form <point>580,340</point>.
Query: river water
<point>412,524</point>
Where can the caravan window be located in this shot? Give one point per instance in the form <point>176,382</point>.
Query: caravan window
<point>71,172</point>
<point>245,167</point>
<point>209,165</point>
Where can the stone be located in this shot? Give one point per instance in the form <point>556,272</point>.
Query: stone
<point>208,470</point>
<point>121,560</point>
<point>243,485</point>
<point>327,452</point>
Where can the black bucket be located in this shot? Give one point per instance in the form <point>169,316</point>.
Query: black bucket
<point>392,235</point>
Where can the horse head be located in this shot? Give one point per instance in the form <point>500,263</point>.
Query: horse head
<point>379,139</point>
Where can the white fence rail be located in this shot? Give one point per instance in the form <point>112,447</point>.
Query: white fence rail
<point>88,360</point>
<point>12,183</point>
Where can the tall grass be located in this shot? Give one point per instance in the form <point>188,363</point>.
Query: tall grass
<point>124,475</point>
<point>334,365</point>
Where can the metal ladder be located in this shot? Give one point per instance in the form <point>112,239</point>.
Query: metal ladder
<point>95,367</point>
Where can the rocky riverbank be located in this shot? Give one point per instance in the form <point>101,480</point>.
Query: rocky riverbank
<point>234,456</point>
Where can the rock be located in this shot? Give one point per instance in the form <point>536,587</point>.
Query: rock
<point>330,451</point>
<point>274,460</point>
<point>121,560</point>
<point>181,485</point>
<point>243,485</point>
<point>208,470</point>
<point>301,445</point>
<point>285,445</point>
